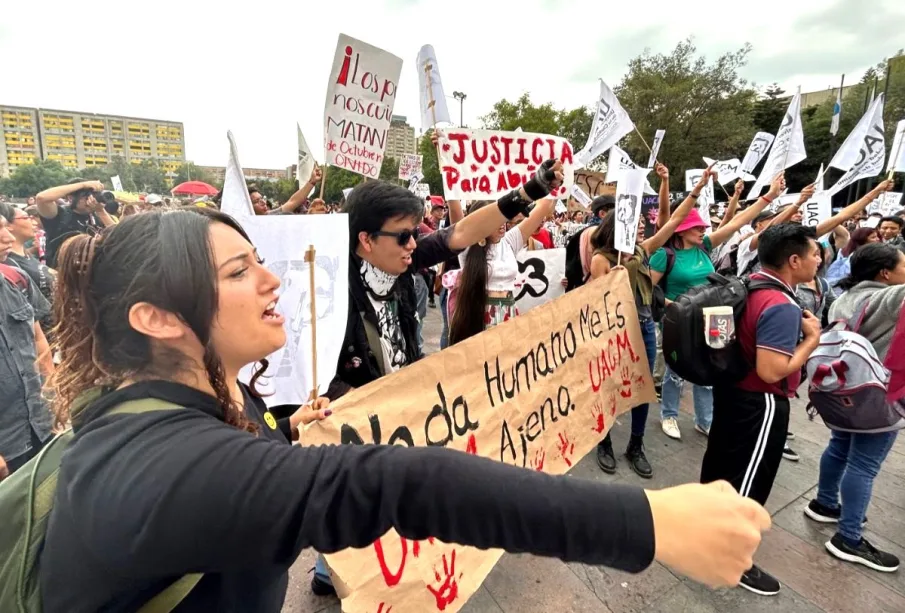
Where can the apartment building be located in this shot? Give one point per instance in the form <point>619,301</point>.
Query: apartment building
<point>400,138</point>
<point>251,174</point>
<point>80,140</point>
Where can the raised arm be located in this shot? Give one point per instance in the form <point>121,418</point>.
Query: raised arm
<point>456,211</point>
<point>789,212</point>
<point>733,204</point>
<point>747,216</point>
<point>299,197</point>
<point>853,209</point>
<point>659,239</point>
<point>47,199</point>
<point>542,210</point>
<point>484,221</point>
<point>663,210</point>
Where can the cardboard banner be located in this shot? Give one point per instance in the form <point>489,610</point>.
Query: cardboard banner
<point>433,100</point>
<point>758,148</point>
<point>361,93</point>
<point>282,241</point>
<point>306,162</point>
<point>117,183</point>
<point>655,148</point>
<point>540,273</point>
<point>618,162</point>
<point>487,164</point>
<point>611,123</point>
<point>409,166</point>
<point>629,193</point>
<point>787,150</point>
<point>538,391</point>
<point>871,149</point>
<point>706,198</point>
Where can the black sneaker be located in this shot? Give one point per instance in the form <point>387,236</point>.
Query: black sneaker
<point>321,588</point>
<point>636,458</point>
<point>606,460</point>
<point>790,436</point>
<point>790,455</point>
<point>864,553</point>
<point>757,581</point>
<point>825,515</point>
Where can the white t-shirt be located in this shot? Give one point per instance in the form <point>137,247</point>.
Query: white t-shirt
<point>745,256</point>
<point>502,266</point>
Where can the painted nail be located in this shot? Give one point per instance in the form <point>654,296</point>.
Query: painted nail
<point>328,413</point>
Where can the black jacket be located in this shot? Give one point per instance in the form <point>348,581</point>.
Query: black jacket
<point>359,363</point>
<point>144,499</point>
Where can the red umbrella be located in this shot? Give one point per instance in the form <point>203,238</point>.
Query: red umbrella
<point>194,188</point>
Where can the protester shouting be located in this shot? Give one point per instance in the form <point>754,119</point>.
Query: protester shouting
<point>84,214</point>
<point>874,293</point>
<point>482,292</point>
<point>604,258</point>
<point>688,252</point>
<point>171,306</point>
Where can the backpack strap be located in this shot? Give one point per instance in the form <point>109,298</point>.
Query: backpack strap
<point>169,599</point>
<point>670,262</point>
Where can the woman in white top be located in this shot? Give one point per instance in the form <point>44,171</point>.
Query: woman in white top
<point>485,285</point>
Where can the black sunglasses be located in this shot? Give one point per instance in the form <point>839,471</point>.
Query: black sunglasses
<point>402,238</point>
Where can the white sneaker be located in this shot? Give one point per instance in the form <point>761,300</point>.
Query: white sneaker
<point>702,430</point>
<point>671,428</point>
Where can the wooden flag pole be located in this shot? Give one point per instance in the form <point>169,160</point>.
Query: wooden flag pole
<point>430,93</point>
<point>309,258</point>
<point>323,182</point>
<point>649,150</point>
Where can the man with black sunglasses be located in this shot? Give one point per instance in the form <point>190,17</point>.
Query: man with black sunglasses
<point>386,252</point>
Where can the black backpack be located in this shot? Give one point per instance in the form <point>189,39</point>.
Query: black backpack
<point>685,348</point>
<point>575,276</point>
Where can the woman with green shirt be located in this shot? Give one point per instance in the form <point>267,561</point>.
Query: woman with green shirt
<point>691,266</point>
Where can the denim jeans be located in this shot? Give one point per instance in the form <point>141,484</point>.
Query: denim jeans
<point>672,393</point>
<point>421,291</point>
<point>848,467</point>
<point>639,413</point>
<point>444,335</point>
<point>320,569</point>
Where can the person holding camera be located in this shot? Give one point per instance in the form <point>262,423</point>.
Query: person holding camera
<point>85,213</point>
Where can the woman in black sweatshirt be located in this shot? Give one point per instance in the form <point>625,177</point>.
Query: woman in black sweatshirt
<point>171,305</point>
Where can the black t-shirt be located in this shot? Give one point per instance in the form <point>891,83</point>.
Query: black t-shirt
<point>40,274</point>
<point>67,223</point>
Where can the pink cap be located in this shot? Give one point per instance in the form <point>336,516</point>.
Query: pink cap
<point>692,221</point>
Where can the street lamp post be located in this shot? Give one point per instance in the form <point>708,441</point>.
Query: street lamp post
<point>461,98</point>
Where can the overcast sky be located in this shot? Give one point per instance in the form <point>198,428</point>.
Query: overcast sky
<point>258,67</point>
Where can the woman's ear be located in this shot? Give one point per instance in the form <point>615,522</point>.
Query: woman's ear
<point>154,322</point>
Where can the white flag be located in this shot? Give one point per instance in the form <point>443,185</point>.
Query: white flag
<point>818,182</point>
<point>306,162</point>
<point>706,198</point>
<point>619,162</point>
<point>235,199</point>
<point>871,150</point>
<point>758,148</point>
<point>727,170</point>
<point>580,196</point>
<point>897,153</point>
<point>431,90</point>
<point>629,190</point>
<point>117,183</point>
<point>787,149</point>
<point>611,123</point>
<point>849,152</point>
<point>655,148</point>
<point>837,112</point>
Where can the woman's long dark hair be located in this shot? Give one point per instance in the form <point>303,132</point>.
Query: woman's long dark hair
<point>868,261</point>
<point>164,258</point>
<point>471,296</point>
<point>857,239</point>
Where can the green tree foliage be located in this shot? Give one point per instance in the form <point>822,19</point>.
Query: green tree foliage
<point>430,165</point>
<point>337,179</point>
<point>148,177</point>
<point>706,108</point>
<point>572,125</point>
<point>191,172</point>
<point>30,179</point>
<point>389,171</point>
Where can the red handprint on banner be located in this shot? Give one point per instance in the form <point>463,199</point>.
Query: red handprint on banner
<point>389,577</point>
<point>600,423</point>
<point>626,391</point>
<point>613,405</point>
<point>566,448</point>
<point>380,608</point>
<point>639,382</point>
<point>448,590</point>
<point>538,462</point>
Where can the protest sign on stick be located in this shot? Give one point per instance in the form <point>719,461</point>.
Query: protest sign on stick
<point>538,391</point>
<point>706,198</point>
<point>787,150</point>
<point>871,149</point>
<point>117,183</point>
<point>582,198</point>
<point>289,243</point>
<point>433,99</point>
<point>306,163</point>
<point>361,93</point>
<point>539,276</point>
<point>629,192</point>
<point>486,164</point>
<point>611,123</point>
<point>618,162</point>
<point>658,140</point>
<point>410,165</point>
<point>758,148</point>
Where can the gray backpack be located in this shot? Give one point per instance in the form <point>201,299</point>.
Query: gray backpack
<point>848,382</point>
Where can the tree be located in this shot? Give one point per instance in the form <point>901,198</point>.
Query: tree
<point>705,108</point>
<point>430,165</point>
<point>147,177</point>
<point>572,125</point>
<point>29,179</point>
<point>769,110</point>
<point>337,179</point>
<point>389,170</point>
<point>191,172</point>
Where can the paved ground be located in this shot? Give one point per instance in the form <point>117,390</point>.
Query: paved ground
<point>793,551</point>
